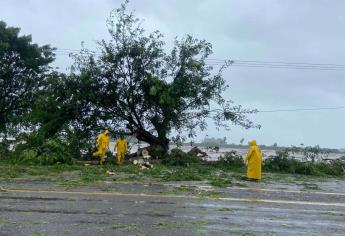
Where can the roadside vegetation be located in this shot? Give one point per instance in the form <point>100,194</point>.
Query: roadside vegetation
<point>177,166</point>
<point>132,86</point>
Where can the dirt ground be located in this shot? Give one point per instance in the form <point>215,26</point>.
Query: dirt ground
<point>34,207</point>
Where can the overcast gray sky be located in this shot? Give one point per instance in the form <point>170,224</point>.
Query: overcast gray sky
<point>309,31</point>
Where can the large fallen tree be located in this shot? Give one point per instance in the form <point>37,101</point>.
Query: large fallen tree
<point>140,89</point>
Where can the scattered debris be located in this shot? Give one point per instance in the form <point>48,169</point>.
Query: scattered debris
<point>145,154</point>
<point>195,151</point>
<point>2,189</point>
<point>142,164</point>
<point>93,162</point>
<point>110,172</point>
<point>329,160</point>
<point>148,165</point>
<point>215,148</point>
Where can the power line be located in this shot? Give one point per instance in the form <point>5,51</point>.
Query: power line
<point>217,60</point>
<point>67,49</point>
<point>257,64</point>
<point>302,109</point>
<point>222,61</point>
<point>276,62</point>
<point>280,65</point>
<point>245,63</point>
<point>283,67</point>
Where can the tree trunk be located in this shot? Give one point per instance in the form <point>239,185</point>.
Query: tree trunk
<point>158,146</point>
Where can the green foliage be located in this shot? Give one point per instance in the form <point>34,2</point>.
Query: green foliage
<point>336,168</point>
<point>4,150</point>
<point>110,157</point>
<point>311,154</point>
<point>60,113</point>
<point>284,163</point>
<point>23,66</point>
<point>80,144</point>
<point>230,160</point>
<point>59,110</point>
<point>195,172</point>
<point>54,152</point>
<point>48,152</point>
<point>184,175</point>
<point>180,158</point>
<point>220,183</point>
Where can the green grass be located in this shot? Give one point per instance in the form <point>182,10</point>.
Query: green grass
<point>310,186</point>
<point>123,226</point>
<point>4,222</point>
<point>69,176</point>
<point>225,209</point>
<point>39,222</point>
<point>221,176</point>
<point>210,194</point>
<point>143,234</point>
<point>184,188</point>
<point>194,226</point>
<point>195,172</point>
<point>284,164</point>
<point>65,175</point>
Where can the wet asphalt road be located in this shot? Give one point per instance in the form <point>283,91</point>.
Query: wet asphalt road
<point>158,209</point>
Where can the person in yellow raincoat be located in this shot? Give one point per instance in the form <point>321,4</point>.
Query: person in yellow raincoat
<point>102,144</point>
<point>254,161</point>
<point>121,147</point>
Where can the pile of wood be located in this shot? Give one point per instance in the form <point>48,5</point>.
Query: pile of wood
<point>143,164</point>
<point>142,160</point>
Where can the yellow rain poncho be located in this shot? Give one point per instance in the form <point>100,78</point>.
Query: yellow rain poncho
<point>102,144</point>
<point>121,147</point>
<point>254,161</point>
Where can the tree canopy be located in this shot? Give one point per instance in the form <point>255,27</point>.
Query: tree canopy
<point>141,88</point>
<point>133,84</point>
<point>23,67</point>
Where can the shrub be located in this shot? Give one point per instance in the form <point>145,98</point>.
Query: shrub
<point>53,152</point>
<point>27,156</point>
<point>285,164</point>
<point>282,163</point>
<point>50,152</point>
<point>180,158</point>
<point>186,174</point>
<point>80,145</point>
<point>230,160</point>
<point>4,151</point>
<point>336,168</point>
